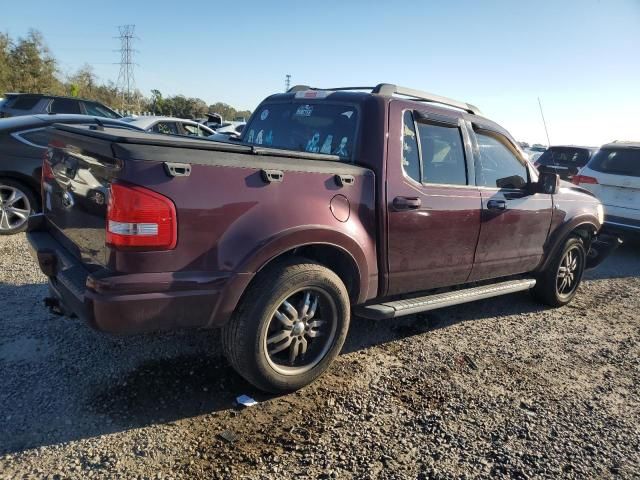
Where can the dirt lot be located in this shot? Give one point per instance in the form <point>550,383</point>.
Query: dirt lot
<point>502,387</point>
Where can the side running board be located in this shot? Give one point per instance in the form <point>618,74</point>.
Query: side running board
<point>410,306</point>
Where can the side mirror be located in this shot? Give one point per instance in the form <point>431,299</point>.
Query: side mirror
<point>548,182</point>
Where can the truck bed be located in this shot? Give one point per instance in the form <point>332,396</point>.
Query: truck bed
<point>236,206</point>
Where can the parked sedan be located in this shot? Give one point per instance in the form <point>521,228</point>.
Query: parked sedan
<point>566,161</point>
<point>170,126</point>
<point>613,175</point>
<point>23,141</point>
<point>19,104</point>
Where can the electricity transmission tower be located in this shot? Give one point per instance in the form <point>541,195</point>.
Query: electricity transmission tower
<point>126,80</point>
<point>287,82</point>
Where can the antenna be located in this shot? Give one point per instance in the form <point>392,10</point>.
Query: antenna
<point>126,80</point>
<point>544,123</point>
<point>287,82</point>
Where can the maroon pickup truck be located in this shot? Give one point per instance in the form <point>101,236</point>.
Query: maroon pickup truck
<point>383,202</point>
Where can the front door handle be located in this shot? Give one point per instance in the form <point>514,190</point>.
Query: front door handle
<point>406,203</point>
<point>496,205</point>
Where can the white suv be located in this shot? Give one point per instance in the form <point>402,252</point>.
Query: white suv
<point>613,175</point>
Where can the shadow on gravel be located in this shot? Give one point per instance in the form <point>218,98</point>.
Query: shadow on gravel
<point>69,393</point>
<point>166,390</point>
<point>623,263</point>
<point>365,333</point>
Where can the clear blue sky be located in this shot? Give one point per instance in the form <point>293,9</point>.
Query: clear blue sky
<point>582,57</point>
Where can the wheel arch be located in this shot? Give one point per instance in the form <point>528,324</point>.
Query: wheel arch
<point>584,227</point>
<point>25,180</point>
<point>335,250</point>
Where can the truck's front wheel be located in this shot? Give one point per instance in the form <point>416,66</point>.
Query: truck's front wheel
<point>289,327</point>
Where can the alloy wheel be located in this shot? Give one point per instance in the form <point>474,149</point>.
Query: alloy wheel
<point>14,208</point>
<point>301,331</point>
<point>569,272</point>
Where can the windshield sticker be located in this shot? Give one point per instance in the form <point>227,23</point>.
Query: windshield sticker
<point>342,148</point>
<point>269,139</point>
<point>259,137</point>
<point>304,111</point>
<point>250,137</point>
<point>265,114</point>
<point>326,146</point>
<point>312,145</point>
<point>348,114</point>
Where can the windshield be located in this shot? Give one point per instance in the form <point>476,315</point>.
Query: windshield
<point>305,127</point>
<point>617,161</point>
<point>565,157</point>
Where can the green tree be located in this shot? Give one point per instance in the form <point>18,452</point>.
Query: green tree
<point>5,44</point>
<point>32,68</point>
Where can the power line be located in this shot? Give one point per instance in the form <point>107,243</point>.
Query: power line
<point>126,79</point>
<point>287,82</point>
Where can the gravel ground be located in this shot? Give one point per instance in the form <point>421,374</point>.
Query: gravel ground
<point>501,387</point>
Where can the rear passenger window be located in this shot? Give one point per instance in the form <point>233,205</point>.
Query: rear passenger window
<point>442,155</point>
<point>498,166</point>
<point>38,138</point>
<point>165,128</point>
<point>24,103</point>
<point>410,156</point>
<point>65,105</point>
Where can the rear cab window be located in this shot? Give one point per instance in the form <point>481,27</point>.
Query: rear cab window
<point>617,161</point>
<point>302,126</point>
<point>564,157</point>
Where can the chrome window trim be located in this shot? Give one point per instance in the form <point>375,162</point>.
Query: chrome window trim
<point>18,136</point>
<point>413,181</point>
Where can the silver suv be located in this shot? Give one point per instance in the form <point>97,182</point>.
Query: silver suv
<point>18,104</point>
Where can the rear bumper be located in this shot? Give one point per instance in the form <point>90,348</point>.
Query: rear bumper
<point>129,303</point>
<point>621,224</point>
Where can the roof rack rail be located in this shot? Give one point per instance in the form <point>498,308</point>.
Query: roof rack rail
<point>388,89</point>
<point>301,88</point>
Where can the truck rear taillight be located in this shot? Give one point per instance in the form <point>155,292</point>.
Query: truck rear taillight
<point>46,175</point>
<point>578,179</point>
<point>47,172</point>
<point>139,218</point>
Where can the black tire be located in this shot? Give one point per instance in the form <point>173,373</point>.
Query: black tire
<point>10,222</point>
<point>255,321</point>
<point>550,288</point>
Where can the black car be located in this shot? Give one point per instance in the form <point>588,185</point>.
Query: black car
<point>18,104</point>
<point>566,161</point>
<point>23,142</point>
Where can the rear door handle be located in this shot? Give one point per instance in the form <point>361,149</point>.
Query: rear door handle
<point>496,205</point>
<point>406,203</point>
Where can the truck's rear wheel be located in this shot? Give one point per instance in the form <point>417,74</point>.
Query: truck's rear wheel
<point>558,283</point>
<point>289,327</point>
